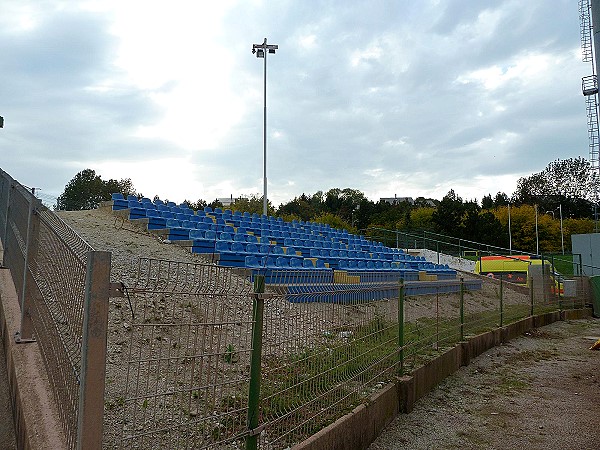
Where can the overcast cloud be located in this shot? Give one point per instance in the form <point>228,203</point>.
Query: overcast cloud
<point>388,97</point>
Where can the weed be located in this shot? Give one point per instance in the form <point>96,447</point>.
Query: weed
<point>230,356</point>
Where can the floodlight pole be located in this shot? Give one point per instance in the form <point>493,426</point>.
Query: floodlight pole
<point>509,232</point>
<point>261,51</point>
<point>562,236</point>
<point>537,239</point>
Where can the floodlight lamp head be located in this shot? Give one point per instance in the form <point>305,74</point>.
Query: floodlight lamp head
<point>260,53</point>
<point>271,50</point>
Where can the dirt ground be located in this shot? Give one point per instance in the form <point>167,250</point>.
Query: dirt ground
<point>540,391</point>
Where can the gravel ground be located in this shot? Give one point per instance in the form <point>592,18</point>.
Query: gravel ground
<point>540,391</point>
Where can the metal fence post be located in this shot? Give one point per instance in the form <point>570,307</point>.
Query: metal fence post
<point>501,301</point>
<point>6,216</point>
<point>531,294</point>
<point>401,326</point>
<point>25,333</point>
<point>93,351</point>
<point>255,359</point>
<point>462,308</point>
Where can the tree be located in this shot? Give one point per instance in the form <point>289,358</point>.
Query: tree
<point>300,208</point>
<point>487,202</point>
<point>447,218</point>
<point>570,183</point>
<point>422,218</point>
<point>86,190</point>
<point>334,221</point>
<point>252,204</point>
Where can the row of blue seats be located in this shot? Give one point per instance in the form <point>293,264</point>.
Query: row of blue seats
<point>237,254</point>
<point>202,242</point>
<point>281,262</point>
<point>159,219</point>
<point>141,209</point>
<point>185,229</point>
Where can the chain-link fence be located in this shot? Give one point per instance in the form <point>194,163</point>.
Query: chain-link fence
<point>49,264</point>
<point>179,350</point>
<point>202,356</point>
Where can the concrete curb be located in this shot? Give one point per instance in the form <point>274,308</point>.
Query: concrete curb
<point>358,429</point>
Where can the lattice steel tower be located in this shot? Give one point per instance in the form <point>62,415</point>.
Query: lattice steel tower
<point>588,12</point>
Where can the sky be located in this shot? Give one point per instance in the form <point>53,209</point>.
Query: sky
<point>396,97</point>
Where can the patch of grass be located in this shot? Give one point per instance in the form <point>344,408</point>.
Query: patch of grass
<point>510,383</point>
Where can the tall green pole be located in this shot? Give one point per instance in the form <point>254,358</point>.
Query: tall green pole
<point>462,308</point>
<point>401,326</point>
<point>501,301</point>
<point>254,391</point>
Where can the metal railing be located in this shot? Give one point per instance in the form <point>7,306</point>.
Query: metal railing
<point>62,284</point>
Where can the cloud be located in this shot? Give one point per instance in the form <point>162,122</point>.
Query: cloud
<point>411,98</point>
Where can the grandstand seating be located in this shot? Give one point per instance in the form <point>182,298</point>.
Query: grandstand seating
<point>259,242</point>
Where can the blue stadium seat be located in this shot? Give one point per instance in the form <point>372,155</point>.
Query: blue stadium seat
<point>173,223</point>
<point>296,263</point>
<point>238,247</point>
<point>225,236</point>
<point>277,250</point>
<point>251,248</point>
<point>264,249</point>
<point>222,246</point>
<point>152,213</point>
<point>251,238</point>
<point>237,237</point>
<point>290,251</point>
<point>196,234</point>
<point>252,262</point>
<point>308,263</point>
<point>282,262</point>
<point>269,262</point>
